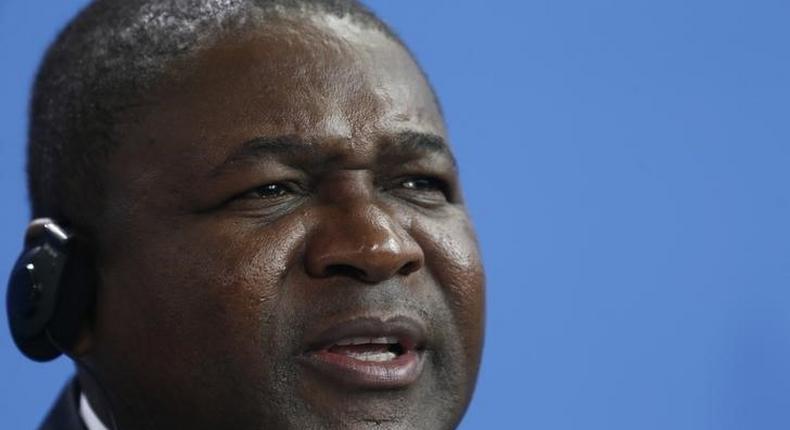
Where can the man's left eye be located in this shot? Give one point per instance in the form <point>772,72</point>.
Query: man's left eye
<point>423,184</point>
<point>423,190</point>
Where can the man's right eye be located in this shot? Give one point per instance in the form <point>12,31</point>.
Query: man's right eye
<point>269,200</point>
<point>274,191</point>
<point>268,191</point>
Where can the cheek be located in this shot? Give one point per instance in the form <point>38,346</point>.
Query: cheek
<point>239,279</point>
<point>206,300</point>
<point>452,256</point>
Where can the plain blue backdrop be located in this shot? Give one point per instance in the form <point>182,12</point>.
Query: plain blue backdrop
<point>627,163</point>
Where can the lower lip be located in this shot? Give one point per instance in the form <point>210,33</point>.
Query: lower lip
<point>399,372</point>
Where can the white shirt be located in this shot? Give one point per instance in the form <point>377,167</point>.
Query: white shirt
<point>92,422</point>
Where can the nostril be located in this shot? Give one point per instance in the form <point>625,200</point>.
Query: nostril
<point>409,267</point>
<point>344,270</point>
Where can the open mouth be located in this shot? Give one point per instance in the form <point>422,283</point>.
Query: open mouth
<point>372,349</point>
<point>369,353</point>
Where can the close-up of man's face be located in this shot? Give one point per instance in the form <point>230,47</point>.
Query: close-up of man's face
<point>394,215</point>
<point>284,244</point>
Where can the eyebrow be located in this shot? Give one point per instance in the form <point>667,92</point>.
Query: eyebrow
<point>401,145</point>
<point>266,147</point>
<point>410,142</point>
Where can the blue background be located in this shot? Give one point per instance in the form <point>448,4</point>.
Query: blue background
<point>627,163</point>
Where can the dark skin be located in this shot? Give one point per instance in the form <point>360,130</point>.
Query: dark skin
<point>282,182</point>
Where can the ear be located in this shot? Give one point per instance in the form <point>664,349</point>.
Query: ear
<point>74,320</point>
<point>71,325</point>
<point>50,291</point>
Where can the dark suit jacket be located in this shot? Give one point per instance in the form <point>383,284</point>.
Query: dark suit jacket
<point>65,414</point>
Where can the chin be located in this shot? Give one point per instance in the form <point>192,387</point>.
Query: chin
<point>434,401</point>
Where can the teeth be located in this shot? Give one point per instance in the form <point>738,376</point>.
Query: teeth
<point>373,356</point>
<point>367,340</point>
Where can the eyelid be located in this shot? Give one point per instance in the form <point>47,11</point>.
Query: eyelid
<point>441,185</point>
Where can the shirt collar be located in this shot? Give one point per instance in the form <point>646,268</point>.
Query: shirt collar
<point>89,418</point>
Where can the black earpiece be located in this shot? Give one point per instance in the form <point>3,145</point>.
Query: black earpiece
<point>50,292</point>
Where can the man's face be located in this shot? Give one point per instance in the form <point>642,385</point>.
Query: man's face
<point>284,243</point>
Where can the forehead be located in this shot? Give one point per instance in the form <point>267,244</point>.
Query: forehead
<point>318,77</point>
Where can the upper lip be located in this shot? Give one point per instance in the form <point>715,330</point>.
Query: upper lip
<point>409,332</point>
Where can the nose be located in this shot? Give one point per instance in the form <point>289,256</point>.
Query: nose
<point>364,243</point>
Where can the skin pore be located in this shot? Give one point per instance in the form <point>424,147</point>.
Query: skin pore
<point>283,183</point>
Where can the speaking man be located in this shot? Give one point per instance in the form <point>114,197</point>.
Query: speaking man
<point>246,216</point>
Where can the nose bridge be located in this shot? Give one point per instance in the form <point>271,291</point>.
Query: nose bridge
<point>346,188</point>
<point>356,237</point>
<point>351,210</point>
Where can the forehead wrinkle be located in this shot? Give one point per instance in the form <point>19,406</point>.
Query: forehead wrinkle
<point>358,83</point>
<point>334,73</point>
<point>336,152</point>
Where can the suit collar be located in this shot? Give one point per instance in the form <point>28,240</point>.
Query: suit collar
<point>65,414</point>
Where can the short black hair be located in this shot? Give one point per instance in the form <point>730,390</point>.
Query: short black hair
<point>104,61</point>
